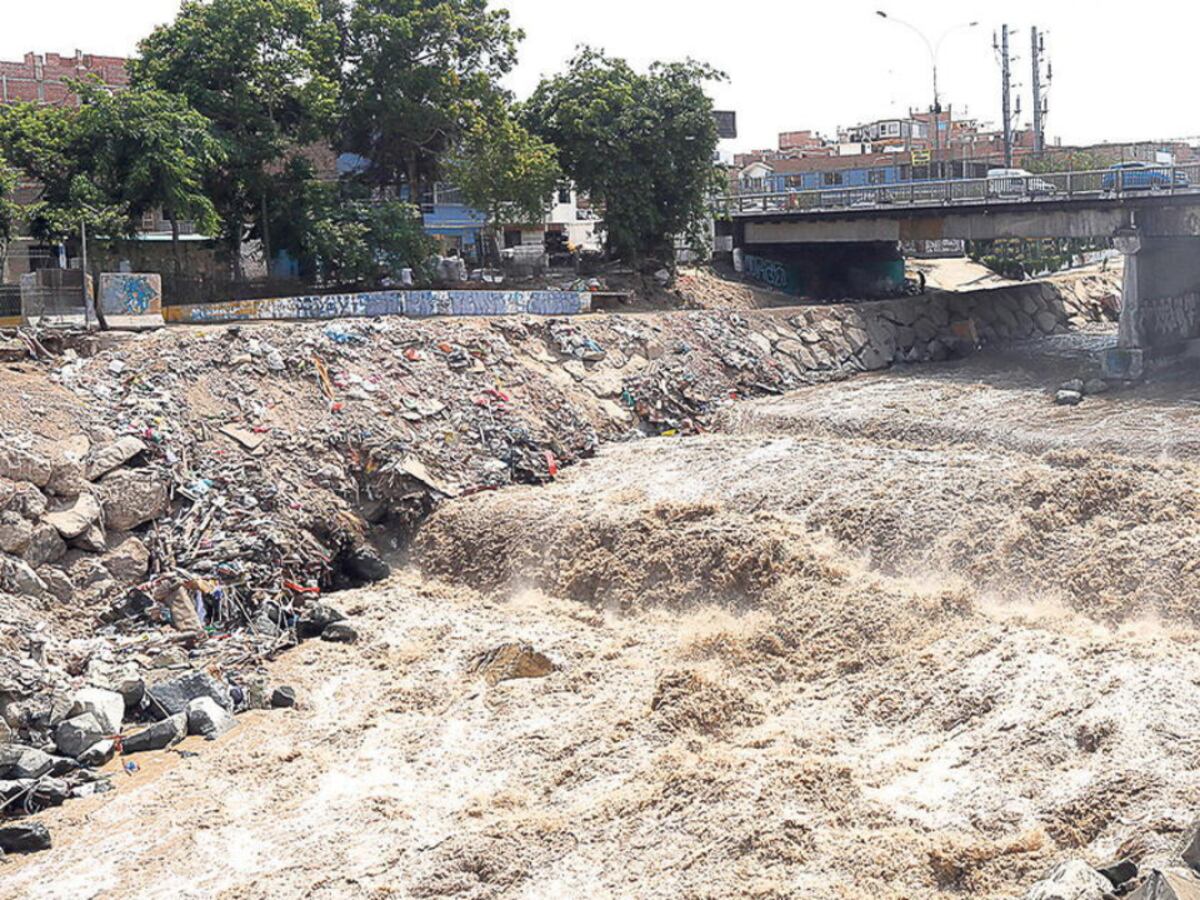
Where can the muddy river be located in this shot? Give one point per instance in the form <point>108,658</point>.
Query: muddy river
<point>917,634</point>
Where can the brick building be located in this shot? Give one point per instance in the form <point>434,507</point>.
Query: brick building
<point>42,78</point>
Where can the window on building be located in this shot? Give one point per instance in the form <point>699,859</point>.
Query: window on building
<point>831,179</point>
<point>875,176</point>
<point>564,195</point>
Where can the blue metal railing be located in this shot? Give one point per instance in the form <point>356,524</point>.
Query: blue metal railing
<point>1118,182</point>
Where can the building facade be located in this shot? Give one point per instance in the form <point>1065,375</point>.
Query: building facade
<point>44,77</point>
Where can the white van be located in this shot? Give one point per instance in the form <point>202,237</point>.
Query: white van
<point>1016,183</point>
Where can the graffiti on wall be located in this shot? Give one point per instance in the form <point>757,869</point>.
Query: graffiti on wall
<point>130,294</point>
<point>773,274</point>
<point>390,303</point>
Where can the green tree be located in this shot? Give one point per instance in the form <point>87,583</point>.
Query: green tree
<point>145,150</point>
<point>44,143</point>
<point>264,73</point>
<point>10,213</point>
<point>640,144</point>
<point>419,75</point>
<point>339,235</point>
<point>505,172</point>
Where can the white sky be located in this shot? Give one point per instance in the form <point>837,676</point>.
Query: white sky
<point>1121,71</point>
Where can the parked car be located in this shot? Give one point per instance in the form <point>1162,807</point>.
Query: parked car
<point>1140,176</point>
<point>1017,183</point>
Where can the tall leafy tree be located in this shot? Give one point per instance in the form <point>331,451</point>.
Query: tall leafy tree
<point>264,73</point>
<point>505,172</point>
<point>146,149</point>
<point>641,144</point>
<point>43,142</point>
<point>419,75</point>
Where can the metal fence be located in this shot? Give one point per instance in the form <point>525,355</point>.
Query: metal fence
<point>1119,182</point>
<point>35,288</point>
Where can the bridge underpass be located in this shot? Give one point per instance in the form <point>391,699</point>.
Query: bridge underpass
<point>1158,233</point>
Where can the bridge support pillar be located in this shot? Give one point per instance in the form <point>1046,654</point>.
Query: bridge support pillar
<point>1160,304</point>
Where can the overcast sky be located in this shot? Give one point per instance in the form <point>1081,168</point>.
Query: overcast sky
<point>1121,71</point>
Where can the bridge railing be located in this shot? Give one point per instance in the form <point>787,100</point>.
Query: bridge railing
<point>1118,182</point>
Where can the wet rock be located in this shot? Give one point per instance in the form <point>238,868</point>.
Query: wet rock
<point>107,706</point>
<point>207,718</point>
<point>316,618</point>
<point>98,754</point>
<point>1095,386</point>
<point>24,837</point>
<point>15,533</point>
<point>511,661</point>
<point>1075,386</point>
<point>159,736</point>
<point>283,697</point>
<point>1068,398</point>
<point>132,497</point>
<point>1168,884</point>
<point>1071,880</point>
<point>45,545</point>
<point>1120,873</point>
<point>132,689</point>
<point>339,633</point>
<point>364,565</point>
<point>114,455</point>
<point>20,761</point>
<point>24,465</point>
<point>169,698</point>
<point>74,520</point>
<point>75,735</point>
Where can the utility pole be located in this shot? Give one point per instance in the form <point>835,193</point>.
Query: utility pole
<point>1006,78</point>
<point>1040,107</point>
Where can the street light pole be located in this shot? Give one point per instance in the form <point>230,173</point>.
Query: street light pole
<point>935,50</point>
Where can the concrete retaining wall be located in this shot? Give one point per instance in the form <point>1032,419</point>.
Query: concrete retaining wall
<point>388,303</point>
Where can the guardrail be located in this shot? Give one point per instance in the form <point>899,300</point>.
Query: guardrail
<point>1115,183</point>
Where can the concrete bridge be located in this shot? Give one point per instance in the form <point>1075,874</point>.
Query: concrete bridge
<point>1152,214</point>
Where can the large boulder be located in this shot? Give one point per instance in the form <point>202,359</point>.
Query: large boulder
<point>169,698</point>
<point>18,577</point>
<point>207,718</point>
<point>316,618</point>
<point>19,761</point>
<point>133,497</point>
<point>74,520</point>
<point>107,706</point>
<point>112,456</point>
<point>24,465</point>
<point>15,533</point>
<point>24,837</point>
<point>1168,884</point>
<point>127,559</point>
<point>159,736</point>
<point>1071,880</point>
<point>73,736</point>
